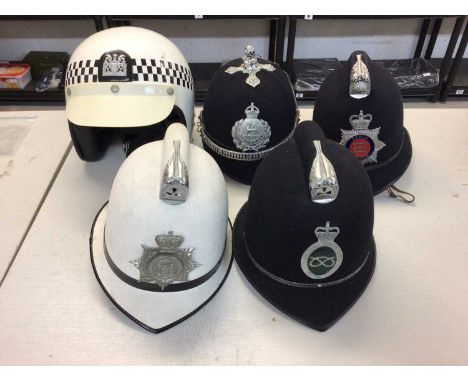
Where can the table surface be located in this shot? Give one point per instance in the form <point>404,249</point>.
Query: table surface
<point>26,175</point>
<point>414,311</point>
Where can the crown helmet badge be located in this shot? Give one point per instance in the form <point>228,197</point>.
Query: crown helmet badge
<point>251,133</point>
<point>324,257</point>
<point>363,142</point>
<point>169,243</point>
<point>252,111</point>
<point>166,263</point>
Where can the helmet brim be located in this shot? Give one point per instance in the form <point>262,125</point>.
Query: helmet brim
<point>317,308</point>
<point>383,177</point>
<point>87,106</point>
<point>154,311</point>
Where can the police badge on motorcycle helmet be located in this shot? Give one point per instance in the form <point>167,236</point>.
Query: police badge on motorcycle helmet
<point>250,109</point>
<point>161,247</point>
<point>359,105</point>
<point>130,81</point>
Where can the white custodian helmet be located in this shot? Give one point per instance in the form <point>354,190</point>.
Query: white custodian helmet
<point>161,247</point>
<point>125,77</point>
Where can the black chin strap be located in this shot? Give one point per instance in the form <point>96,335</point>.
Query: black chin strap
<point>395,192</point>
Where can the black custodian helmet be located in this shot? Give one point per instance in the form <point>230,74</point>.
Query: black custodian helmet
<point>359,106</point>
<point>250,109</point>
<point>304,238</point>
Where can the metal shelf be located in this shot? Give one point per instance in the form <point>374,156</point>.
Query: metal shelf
<point>192,17</point>
<point>362,17</point>
<point>459,87</point>
<point>201,72</point>
<point>406,93</point>
<point>457,80</point>
<point>432,94</point>
<point>29,96</point>
<point>457,83</point>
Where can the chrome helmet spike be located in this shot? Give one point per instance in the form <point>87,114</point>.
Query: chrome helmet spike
<point>175,180</point>
<point>359,82</point>
<point>323,182</point>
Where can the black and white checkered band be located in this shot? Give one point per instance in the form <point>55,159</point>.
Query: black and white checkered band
<point>85,71</point>
<point>80,72</point>
<point>162,71</point>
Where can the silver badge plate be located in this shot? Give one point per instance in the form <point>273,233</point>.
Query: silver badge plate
<point>323,258</point>
<point>114,65</point>
<point>166,263</point>
<point>251,133</point>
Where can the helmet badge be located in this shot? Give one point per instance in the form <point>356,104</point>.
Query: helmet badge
<point>115,66</point>
<point>324,257</point>
<point>363,142</point>
<point>251,66</point>
<point>323,182</point>
<point>167,262</point>
<point>251,133</point>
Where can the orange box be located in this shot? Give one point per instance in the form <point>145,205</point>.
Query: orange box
<point>14,76</point>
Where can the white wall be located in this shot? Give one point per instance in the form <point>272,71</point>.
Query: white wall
<point>218,40</point>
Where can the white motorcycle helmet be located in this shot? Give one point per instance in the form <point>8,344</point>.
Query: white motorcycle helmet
<point>161,247</point>
<point>130,80</point>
